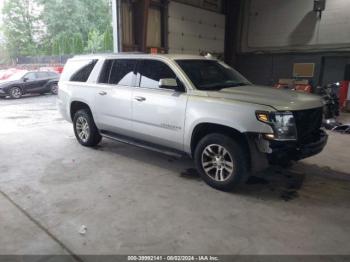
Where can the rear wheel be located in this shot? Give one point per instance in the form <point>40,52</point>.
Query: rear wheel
<point>54,88</point>
<point>85,129</point>
<point>221,161</point>
<point>15,92</point>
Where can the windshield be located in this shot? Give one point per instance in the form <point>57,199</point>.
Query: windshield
<point>17,76</point>
<point>211,74</point>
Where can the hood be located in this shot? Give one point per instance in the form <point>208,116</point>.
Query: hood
<point>281,100</point>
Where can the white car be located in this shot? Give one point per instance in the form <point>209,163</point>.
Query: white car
<point>191,105</point>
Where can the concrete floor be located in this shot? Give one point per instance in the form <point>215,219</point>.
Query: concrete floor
<point>133,201</point>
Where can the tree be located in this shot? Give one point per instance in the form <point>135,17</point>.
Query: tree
<point>20,27</point>
<point>95,42</point>
<point>36,27</point>
<point>86,18</point>
<point>78,44</point>
<point>108,40</point>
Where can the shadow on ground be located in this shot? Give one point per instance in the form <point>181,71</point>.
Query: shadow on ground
<point>274,183</point>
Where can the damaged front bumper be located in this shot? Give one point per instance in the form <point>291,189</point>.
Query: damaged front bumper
<point>293,150</point>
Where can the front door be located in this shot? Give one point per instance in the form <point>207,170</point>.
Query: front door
<point>114,96</point>
<point>158,113</point>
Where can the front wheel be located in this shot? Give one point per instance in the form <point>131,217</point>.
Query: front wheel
<point>15,92</point>
<point>221,161</point>
<point>85,129</point>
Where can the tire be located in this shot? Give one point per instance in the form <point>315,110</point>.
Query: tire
<point>54,88</point>
<point>88,135</point>
<point>286,163</point>
<point>15,92</point>
<point>223,170</point>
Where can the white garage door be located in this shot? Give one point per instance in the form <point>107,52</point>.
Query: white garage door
<point>194,30</point>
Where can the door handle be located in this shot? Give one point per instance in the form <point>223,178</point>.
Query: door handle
<point>140,98</point>
<point>103,93</point>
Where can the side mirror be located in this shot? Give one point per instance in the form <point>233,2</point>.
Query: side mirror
<point>25,79</point>
<point>171,83</point>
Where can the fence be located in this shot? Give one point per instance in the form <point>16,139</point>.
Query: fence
<point>48,60</point>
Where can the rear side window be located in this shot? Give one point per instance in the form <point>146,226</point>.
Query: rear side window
<point>42,75</point>
<point>52,74</point>
<point>118,72</point>
<point>78,70</point>
<point>151,71</point>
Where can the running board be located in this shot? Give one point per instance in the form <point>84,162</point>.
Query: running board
<point>141,144</point>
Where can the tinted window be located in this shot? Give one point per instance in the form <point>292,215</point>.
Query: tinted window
<point>122,72</point>
<point>78,70</point>
<point>152,71</point>
<point>30,76</point>
<point>106,70</point>
<point>52,74</point>
<point>42,74</point>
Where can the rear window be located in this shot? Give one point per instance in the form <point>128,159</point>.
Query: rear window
<point>78,70</point>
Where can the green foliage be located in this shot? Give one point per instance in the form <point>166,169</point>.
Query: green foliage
<point>95,42</point>
<point>78,44</point>
<point>108,40</point>
<point>19,27</point>
<point>67,27</point>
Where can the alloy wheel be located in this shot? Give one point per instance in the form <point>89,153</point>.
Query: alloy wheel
<point>16,92</point>
<point>217,162</point>
<point>54,89</point>
<point>83,129</point>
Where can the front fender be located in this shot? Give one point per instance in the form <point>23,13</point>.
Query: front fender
<point>237,115</point>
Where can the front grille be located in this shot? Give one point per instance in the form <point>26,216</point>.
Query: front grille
<point>308,123</point>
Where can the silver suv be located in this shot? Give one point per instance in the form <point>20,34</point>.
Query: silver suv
<point>190,105</point>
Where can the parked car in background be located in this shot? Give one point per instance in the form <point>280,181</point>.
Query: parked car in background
<point>27,82</point>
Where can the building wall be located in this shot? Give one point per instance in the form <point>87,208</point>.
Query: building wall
<point>280,25</point>
<point>278,33</point>
<point>267,69</point>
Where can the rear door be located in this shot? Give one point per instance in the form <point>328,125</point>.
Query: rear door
<point>113,99</point>
<point>41,81</point>
<point>158,113</point>
<point>30,82</point>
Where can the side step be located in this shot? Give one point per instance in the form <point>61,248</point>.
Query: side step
<point>142,144</point>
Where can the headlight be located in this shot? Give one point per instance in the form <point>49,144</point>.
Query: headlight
<point>282,123</point>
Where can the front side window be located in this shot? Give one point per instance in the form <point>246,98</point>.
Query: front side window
<point>211,74</point>
<point>30,76</point>
<point>151,71</point>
